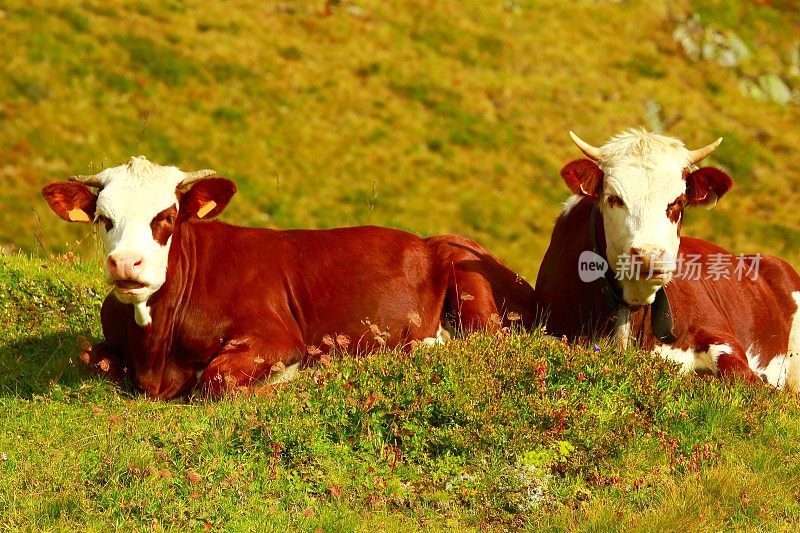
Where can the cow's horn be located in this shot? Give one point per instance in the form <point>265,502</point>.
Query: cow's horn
<point>695,156</point>
<point>191,177</point>
<point>91,181</point>
<point>592,152</point>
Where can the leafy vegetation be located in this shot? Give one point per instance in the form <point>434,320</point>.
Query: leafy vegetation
<point>506,431</point>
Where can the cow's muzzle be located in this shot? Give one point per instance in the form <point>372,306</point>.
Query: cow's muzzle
<point>128,285</point>
<point>652,264</point>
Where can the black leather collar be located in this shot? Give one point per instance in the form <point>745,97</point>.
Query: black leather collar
<point>660,311</point>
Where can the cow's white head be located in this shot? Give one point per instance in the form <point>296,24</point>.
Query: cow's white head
<point>138,206</point>
<point>642,182</point>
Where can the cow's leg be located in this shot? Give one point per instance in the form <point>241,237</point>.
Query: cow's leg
<point>103,359</point>
<point>246,362</point>
<point>442,337</point>
<point>732,363</point>
<point>107,358</point>
<point>723,357</point>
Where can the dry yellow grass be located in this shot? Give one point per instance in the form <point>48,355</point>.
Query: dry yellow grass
<point>429,115</point>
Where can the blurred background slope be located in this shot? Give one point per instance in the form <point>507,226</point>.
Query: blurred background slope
<point>434,116</point>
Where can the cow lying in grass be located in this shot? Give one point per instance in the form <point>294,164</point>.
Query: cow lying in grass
<point>198,304</point>
<point>687,299</point>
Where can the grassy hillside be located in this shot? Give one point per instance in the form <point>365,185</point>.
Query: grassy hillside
<point>429,115</point>
<point>485,433</point>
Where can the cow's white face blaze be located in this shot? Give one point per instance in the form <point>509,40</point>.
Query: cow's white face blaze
<point>134,198</point>
<point>138,207</point>
<point>640,186</point>
<point>642,183</point>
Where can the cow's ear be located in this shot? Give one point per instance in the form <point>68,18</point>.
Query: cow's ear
<point>584,178</point>
<point>74,202</point>
<point>207,198</point>
<point>706,185</point>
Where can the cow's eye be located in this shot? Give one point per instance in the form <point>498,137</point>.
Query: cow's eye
<point>101,219</point>
<point>614,201</point>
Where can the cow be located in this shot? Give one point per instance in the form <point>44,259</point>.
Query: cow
<point>200,305</point>
<point>618,266</point>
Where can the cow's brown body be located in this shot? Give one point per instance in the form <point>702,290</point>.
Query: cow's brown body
<point>204,305</point>
<point>748,315</point>
<point>237,301</point>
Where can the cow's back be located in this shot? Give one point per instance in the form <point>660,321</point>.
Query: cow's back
<point>364,283</point>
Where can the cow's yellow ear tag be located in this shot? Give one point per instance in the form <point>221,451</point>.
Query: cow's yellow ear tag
<point>78,215</point>
<point>206,209</point>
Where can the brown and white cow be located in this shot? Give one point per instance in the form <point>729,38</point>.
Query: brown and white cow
<point>617,265</point>
<point>199,304</point>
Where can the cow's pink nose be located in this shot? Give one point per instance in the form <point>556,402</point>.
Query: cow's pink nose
<point>125,266</point>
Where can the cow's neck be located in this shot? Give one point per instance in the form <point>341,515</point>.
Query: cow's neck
<point>167,305</point>
<point>613,300</point>
<point>574,304</point>
<point>164,310</point>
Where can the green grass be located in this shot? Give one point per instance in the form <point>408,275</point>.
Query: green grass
<point>497,432</point>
